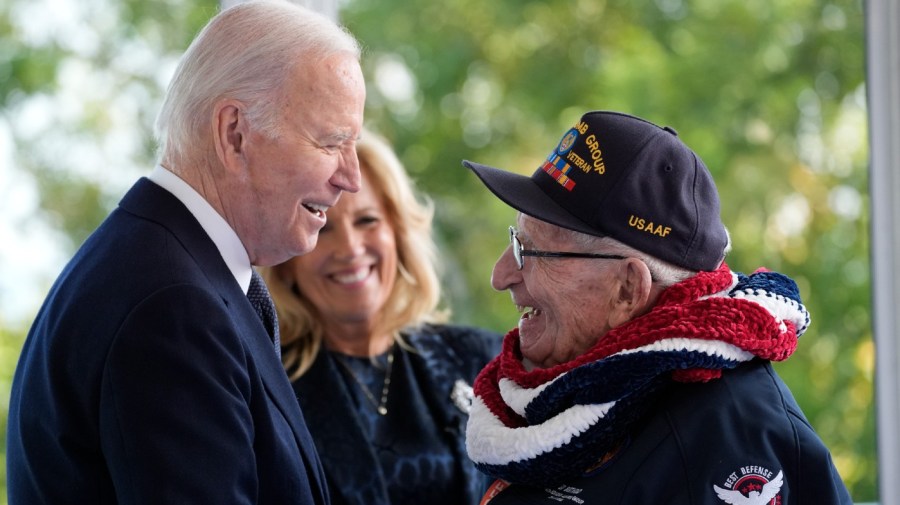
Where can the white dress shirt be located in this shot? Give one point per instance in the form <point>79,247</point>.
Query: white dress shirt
<point>221,233</point>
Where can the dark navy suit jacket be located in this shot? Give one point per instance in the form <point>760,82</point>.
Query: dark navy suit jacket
<point>147,378</point>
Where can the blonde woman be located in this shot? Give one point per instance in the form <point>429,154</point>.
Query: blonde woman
<point>384,385</point>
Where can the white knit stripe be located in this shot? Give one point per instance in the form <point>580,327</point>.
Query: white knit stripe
<point>708,347</point>
<point>489,442</point>
<point>517,397</point>
<point>781,308</point>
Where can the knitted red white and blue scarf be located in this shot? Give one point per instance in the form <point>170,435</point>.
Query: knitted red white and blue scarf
<point>543,426</point>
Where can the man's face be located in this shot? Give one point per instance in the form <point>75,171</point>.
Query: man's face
<point>291,180</point>
<point>565,302</point>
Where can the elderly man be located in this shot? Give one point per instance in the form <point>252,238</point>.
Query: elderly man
<point>639,372</point>
<point>151,374</point>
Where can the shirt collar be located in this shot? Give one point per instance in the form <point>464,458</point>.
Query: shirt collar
<point>222,234</point>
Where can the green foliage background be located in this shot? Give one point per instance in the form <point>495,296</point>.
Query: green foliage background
<point>770,93</point>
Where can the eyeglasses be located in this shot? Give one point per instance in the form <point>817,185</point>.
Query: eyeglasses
<point>519,252</point>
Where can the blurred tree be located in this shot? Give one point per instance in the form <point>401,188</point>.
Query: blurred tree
<point>769,92</point>
<point>11,339</point>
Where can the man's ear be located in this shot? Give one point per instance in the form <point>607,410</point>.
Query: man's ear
<point>230,132</point>
<point>633,296</point>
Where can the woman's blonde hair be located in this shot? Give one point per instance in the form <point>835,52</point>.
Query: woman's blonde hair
<point>415,295</point>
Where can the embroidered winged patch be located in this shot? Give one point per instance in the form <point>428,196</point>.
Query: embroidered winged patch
<point>758,490</point>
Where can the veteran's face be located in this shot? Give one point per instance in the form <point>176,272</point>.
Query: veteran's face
<point>565,303</point>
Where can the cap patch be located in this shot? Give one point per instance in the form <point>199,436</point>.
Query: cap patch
<point>594,161</point>
<point>556,164</point>
<point>568,140</point>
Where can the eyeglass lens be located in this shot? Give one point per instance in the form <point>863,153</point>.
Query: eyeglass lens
<point>516,247</point>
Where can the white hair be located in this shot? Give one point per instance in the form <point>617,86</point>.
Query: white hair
<point>246,52</point>
<point>662,272</point>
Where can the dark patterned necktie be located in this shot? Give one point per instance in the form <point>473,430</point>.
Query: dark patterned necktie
<point>265,308</point>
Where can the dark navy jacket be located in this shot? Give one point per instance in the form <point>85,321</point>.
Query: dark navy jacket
<point>704,442</point>
<point>147,378</point>
<point>444,355</point>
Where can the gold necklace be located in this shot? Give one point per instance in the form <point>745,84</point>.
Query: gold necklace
<point>380,407</point>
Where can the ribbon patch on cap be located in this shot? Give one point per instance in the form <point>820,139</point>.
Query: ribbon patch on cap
<point>559,170</point>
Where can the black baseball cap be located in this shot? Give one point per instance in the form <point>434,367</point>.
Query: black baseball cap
<point>617,175</point>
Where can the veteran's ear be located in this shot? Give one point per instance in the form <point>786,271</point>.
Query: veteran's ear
<point>633,292</point>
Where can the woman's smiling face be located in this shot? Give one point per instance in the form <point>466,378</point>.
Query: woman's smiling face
<point>350,274</point>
